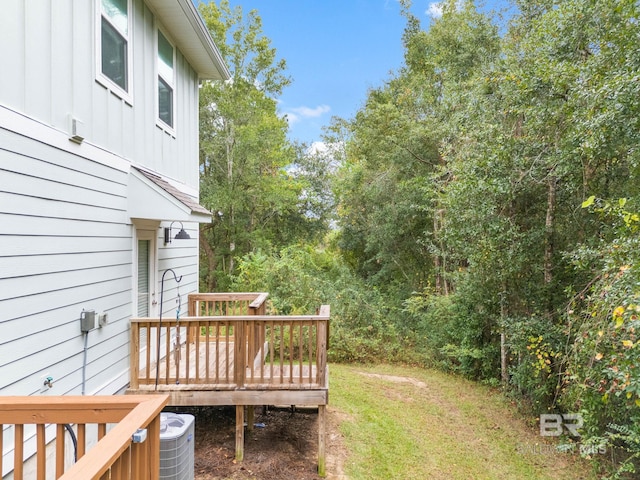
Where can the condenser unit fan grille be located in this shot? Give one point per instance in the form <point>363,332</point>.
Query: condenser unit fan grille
<point>176,446</point>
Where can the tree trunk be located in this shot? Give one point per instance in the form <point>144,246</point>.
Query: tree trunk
<point>504,366</point>
<point>229,147</point>
<point>549,233</point>
<point>438,262</point>
<point>211,262</point>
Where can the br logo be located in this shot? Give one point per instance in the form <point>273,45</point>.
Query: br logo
<point>555,424</point>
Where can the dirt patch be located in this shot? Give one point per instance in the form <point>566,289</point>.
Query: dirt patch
<point>282,445</point>
<point>395,379</point>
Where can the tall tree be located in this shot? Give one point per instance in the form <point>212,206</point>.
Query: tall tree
<point>391,212</point>
<point>244,151</point>
<point>547,125</point>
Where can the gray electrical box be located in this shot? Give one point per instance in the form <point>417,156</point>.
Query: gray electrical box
<point>87,320</point>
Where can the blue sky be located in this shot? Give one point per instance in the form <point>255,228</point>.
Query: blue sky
<point>336,50</point>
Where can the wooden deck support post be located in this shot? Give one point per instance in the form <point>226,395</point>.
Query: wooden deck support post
<point>251,417</point>
<point>239,433</point>
<point>322,430</point>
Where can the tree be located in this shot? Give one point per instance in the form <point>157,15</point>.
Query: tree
<point>244,152</point>
<point>391,210</point>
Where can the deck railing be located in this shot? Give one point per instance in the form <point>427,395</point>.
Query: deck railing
<point>114,456</point>
<point>230,343</point>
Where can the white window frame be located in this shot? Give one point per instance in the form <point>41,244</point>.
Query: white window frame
<point>101,78</point>
<point>171,129</point>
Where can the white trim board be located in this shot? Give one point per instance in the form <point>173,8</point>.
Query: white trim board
<point>28,127</point>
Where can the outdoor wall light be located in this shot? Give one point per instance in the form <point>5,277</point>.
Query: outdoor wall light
<point>181,235</point>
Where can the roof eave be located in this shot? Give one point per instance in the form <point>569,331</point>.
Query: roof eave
<point>185,25</point>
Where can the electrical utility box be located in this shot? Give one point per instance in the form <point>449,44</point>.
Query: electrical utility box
<point>177,446</point>
<point>87,320</point>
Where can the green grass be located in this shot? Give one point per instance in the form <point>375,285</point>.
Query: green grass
<point>406,423</point>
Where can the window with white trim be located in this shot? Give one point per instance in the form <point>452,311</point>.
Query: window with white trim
<point>166,80</point>
<point>114,45</point>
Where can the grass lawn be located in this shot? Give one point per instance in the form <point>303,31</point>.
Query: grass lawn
<point>411,423</point>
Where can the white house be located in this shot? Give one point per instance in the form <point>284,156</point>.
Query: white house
<point>98,156</point>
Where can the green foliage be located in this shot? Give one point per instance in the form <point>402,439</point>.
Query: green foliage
<point>536,353</point>
<point>301,278</point>
<point>464,176</point>
<point>459,235</point>
<point>449,333</point>
<point>258,200</point>
<point>601,378</point>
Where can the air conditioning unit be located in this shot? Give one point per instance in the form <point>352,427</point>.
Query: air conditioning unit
<point>177,446</point>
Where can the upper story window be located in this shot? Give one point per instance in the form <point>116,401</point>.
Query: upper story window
<point>115,47</point>
<point>166,80</point>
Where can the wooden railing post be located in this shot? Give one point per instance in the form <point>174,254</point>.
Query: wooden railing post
<point>322,339</point>
<point>153,438</point>
<point>134,369</point>
<point>240,353</point>
<point>192,312</point>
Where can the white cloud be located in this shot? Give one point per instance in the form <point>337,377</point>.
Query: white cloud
<point>318,147</point>
<point>298,113</point>
<point>291,118</point>
<point>333,151</point>
<point>435,8</point>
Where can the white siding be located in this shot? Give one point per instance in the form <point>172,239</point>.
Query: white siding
<point>67,243</point>
<point>65,246</point>
<point>49,50</point>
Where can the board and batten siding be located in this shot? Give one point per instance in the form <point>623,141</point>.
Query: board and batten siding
<point>52,65</point>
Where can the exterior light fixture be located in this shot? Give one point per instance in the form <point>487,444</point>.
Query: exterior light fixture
<point>181,235</point>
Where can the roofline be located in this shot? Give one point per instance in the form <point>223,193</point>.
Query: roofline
<point>203,32</point>
<point>195,43</point>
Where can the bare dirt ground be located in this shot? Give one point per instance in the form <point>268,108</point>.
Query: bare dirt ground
<point>282,445</point>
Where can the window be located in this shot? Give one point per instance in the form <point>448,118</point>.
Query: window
<point>114,42</point>
<point>165,80</point>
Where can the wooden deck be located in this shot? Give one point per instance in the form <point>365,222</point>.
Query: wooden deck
<point>214,366</point>
<point>228,351</point>
<point>110,420</point>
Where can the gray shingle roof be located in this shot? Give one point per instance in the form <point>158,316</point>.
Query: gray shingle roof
<point>174,192</point>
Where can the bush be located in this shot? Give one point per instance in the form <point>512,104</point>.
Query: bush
<point>451,333</point>
<point>301,278</point>
<point>602,375</point>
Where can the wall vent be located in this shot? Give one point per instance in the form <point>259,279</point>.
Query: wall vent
<point>76,130</point>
